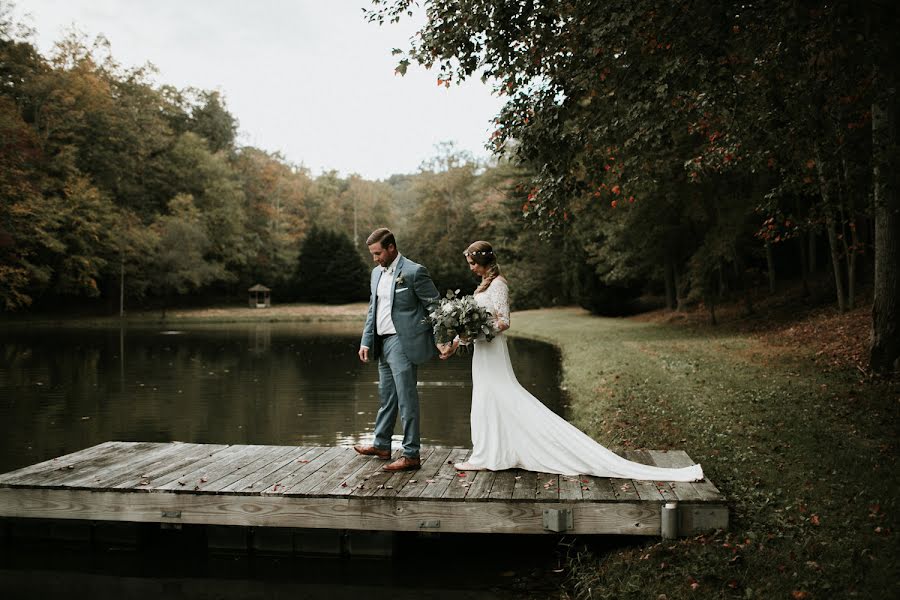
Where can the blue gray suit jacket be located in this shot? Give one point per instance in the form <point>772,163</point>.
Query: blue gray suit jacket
<point>413,298</point>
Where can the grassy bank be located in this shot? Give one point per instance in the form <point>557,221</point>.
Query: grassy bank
<point>804,451</point>
<point>286,313</point>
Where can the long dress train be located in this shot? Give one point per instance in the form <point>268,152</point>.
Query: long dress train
<point>513,429</point>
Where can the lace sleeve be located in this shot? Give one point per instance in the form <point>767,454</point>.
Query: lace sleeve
<point>500,300</point>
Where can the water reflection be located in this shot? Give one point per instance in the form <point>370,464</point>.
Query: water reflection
<point>267,383</point>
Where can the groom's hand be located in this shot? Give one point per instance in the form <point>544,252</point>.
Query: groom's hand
<point>447,350</point>
<point>363,354</point>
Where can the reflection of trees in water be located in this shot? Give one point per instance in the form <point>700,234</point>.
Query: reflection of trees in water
<point>266,384</point>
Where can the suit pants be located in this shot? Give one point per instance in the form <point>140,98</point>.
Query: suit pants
<point>397,388</point>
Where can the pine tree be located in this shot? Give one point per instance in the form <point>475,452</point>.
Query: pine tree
<point>330,269</point>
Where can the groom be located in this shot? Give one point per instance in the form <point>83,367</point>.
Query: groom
<point>398,335</point>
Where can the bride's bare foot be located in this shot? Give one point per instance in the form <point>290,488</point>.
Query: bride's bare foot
<point>464,466</point>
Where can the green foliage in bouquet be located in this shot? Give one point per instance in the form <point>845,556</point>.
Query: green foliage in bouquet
<point>461,317</point>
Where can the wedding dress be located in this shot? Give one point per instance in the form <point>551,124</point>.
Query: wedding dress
<point>511,429</point>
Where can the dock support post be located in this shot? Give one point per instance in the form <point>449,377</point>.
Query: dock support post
<point>669,521</point>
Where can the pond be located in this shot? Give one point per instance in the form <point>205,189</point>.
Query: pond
<point>63,389</point>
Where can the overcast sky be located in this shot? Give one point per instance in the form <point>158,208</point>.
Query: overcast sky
<point>309,78</point>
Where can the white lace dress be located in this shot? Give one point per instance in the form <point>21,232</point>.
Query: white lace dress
<point>513,429</point>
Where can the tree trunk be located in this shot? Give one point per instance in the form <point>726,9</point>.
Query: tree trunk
<point>122,285</point>
<point>835,260</point>
<point>811,244</point>
<point>804,262</point>
<point>884,353</point>
<point>770,267</point>
<point>669,276</point>
<point>679,297</point>
<point>848,231</point>
<point>830,227</point>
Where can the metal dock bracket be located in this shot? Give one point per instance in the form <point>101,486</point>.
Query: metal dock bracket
<point>558,519</point>
<point>669,521</point>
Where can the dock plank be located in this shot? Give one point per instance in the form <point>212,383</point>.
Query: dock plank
<point>338,479</point>
<point>302,471</point>
<point>91,466</point>
<point>684,492</point>
<point>708,492</point>
<point>647,490</point>
<point>55,464</point>
<point>288,467</point>
<point>547,487</point>
<point>459,486</point>
<point>260,461</point>
<point>120,471</point>
<point>191,456</point>
<point>599,489</point>
<point>257,479</point>
<point>431,466</point>
<point>446,476</point>
<point>378,478</point>
<point>570,488</point>
<point>202,474</point>
<point>397,480</point>
<point>504,484</point>
<point>326,467</point>
<point>480,487</point>
<point>357,480</point>
<point>526,486</point>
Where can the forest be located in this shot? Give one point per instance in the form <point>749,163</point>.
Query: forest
<point>649,153</point>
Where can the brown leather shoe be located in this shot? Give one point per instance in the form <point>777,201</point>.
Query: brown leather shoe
<point>373,451</point>
<point>404,463</point>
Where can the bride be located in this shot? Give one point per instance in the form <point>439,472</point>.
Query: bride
<point>511,429</point>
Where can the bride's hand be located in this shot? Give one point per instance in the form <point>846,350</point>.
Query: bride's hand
<point>447,350</point>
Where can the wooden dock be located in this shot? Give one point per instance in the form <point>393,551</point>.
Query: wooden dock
<point>334,488</point>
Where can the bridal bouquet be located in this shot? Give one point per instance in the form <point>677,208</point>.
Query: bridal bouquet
<point>461,317</point>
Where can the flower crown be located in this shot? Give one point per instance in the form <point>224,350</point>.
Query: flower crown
<point>478,253</point>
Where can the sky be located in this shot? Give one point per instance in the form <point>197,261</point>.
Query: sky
<point>310,79</point>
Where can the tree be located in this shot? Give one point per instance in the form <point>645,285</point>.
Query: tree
<point>764,107</point>
<point>330,269</point>
<point>276,204</point>
<point>178,263</point>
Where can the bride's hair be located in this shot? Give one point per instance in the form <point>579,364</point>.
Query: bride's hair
<point>482,254</point>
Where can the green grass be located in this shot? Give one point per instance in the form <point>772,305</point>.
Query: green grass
<point>807,459</point>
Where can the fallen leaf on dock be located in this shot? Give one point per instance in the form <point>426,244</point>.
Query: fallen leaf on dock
<point>414,481</point>
<point>204,479</point>
<point>429,481</point>
<point>344,484</point>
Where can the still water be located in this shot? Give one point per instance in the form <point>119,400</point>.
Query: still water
<point>63,389</point>
<point>268,383</point>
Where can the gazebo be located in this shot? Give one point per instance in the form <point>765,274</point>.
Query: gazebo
<point>257,301</point>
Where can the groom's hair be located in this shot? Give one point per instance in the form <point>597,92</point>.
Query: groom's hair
<point>381,236</point>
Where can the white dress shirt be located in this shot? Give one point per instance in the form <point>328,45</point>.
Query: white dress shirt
<point>384,325</point>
